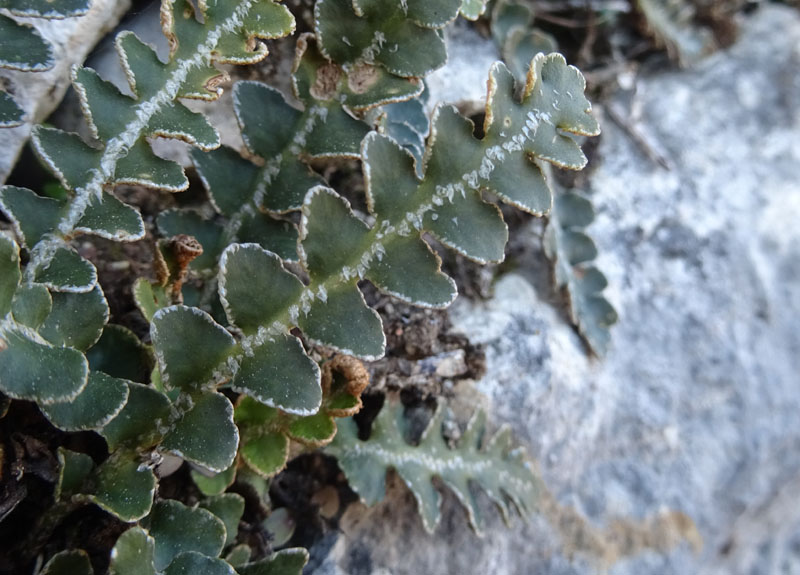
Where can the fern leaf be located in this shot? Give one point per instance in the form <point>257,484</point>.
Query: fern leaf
<point>501,470</point>
<point>358,86</point>
<point>120,124</point>
<point>23,48</point>
<point>72,562</point>
<point>11,115</point>
<point>39,366</point>
<point>282,137</point>
<point>337,248</point>
<point>49,9</point>
<point>403,37</point>
<point>571,250</point>
<point>516,37</point>
<point>670,22</point>
<point>266,431</point>
<point>473,9</point>
<point>407,124</point>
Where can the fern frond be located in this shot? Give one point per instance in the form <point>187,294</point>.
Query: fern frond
<point>670,23</point>
<point>403,37</point>
<point>494,464</point>
<point>516,37</point>
<point>282,139</point>
<point>264,302</point>
<point>259,354</point>
<point>121,124</point>
<point>571,250</point>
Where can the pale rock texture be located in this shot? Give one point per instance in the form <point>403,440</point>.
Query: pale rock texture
<point>696,408</point>
<point>39,93</point>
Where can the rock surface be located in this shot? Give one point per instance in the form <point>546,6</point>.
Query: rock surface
<point>695,408</point>
<point>39,93</point>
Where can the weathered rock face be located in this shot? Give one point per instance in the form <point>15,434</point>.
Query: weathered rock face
<point>696,406</point>
<point>39,93</point>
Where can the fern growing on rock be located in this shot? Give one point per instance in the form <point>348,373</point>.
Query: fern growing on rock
<point>266,352</point>
<point>258,354</point>
<point>491,463</point>
<point>572,251</point>
<point>566,242</point>
<point>120,125</point>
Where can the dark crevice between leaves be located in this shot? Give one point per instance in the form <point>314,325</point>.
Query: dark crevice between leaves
<point>31,525</point>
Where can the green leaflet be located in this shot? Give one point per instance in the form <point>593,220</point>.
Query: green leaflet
<point>23,47</point>
<point>571,252</point>
<point>217,483</point>
<point>494,464</point>
<point>124,488</point>
<point>264,447</point>
<point>11,115</point>
<point>191,562</point>
<point>72,562</point>
<point>142,421</point>
<point>246,272</point>
<point>280,374</point>
<point>76,319</point>
<point>266,454</point>
<point>517,39</point>
<point>178,529</point>
<point>360,87</point>
<point>31,305</point>
<point>229,508</point>
<point>120,485</point>
<point>119,353</point>
<point>223,32</point>
<point>133,554</point>
<point>280,525</point>
<point>344,322</point>
<point>473,9</point>
<point>266,431</point>
<point>670,22</point>
<point>205,433</point>
<point>403,37</point>
<point>73,469</point>
<point>284,562</point>
<point>51,9</point>
<point>407,124</point>
<point>238,556</point>
<point>176,329</point>
<point>34,370</point>
<point>61,269</point>
<point>150,298</point>
<point>9,272</point>
<point>99,402</point>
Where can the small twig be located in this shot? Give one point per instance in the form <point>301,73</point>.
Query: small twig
<point>585,52</point>
<point>636,135</point>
